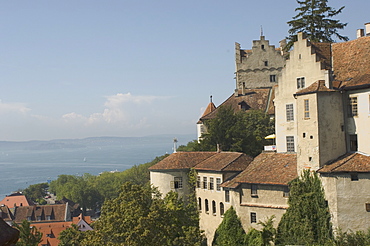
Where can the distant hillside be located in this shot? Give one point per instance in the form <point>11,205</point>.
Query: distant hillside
<point>56,144</point>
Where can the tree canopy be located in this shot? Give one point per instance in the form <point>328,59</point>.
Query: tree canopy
<point>315,19</point>
<point>139,216</point>
<point>307,220</point>
<point>242,131</point>
<point>91,191</point>
<point>29,235</point>
<point>230,232</point>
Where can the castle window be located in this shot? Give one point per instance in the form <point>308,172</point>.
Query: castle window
<point>178,182</point>
<point>266,63</point>
<point>289,112</point>
<point>253,218</point>
<point>301,82</point>
<point>353,142</point>
<point>222,209</point>
<point>367,206</point>
<point>262,47</point>
<point>206,205</point>
<point>211,183</point>
<point>213,207</point>
<point>254,190</point>
<point>227,196</point>
<point>354,177</point>
<point>218,184</point>
<point>286,192</point>
<point>353,110</point>
<point>272,78</point>
<point>199,203</point>
<point>198,181</point>
<point>204,182</point>
<point>289,143</point>
<point>306,109</point>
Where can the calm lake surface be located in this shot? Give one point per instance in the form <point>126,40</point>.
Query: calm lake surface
<point>26,163</point>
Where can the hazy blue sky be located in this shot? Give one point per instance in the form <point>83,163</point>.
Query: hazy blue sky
<point>74,69</point>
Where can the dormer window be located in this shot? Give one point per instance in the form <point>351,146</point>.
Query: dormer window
<point>244,106</point>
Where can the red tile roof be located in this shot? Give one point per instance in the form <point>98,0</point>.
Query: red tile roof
<point>16,199</point>
<point>51,231</point>
<point>267,168</point>
<point>259,99</point>
<point>351,61</point>
<point>5,213</point>
<point>351,162</point>
<point>323,54</point>
<point>225,161</point>
<point>181,160</point>
<point>318,86</point>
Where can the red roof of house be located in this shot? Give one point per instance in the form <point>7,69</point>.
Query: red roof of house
<point>57,212</point>
<point>258,99</point>
<point>181,160</point>
<point>351,61</point>
<point>51,231</point>
<point>351,162</point>
<point>16,199</point>
<point>225,161</point>
<point>267,168</point>
<point>318,86</point>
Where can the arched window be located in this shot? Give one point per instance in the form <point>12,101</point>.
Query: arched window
<point>214,207</point>
<point>200,203</point>
<point>222,209</point>
<point>206,204</point>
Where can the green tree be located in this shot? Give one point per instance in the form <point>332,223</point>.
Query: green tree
<point>315,19</point>
<point>243,131</point>
<point>350,238</point>
<point>71,236</point>
<point>230,232</point>
<point>36,191</point>
<point>139,216</point>
<point>307,220</point>
<point>29,235</point>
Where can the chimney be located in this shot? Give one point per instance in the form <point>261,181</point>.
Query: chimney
<point>360,33</point>
<point>367,27</point>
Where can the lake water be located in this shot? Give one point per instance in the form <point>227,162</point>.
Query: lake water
<point>26,163</point>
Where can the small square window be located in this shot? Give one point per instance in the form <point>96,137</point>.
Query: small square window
<point>286,192</point>
<point>227,196</point>
<point>211,183</point>
<point>367,206</point>
<point>290,143</point>
<point>204,182</point>
<point>253,218</point>
<point>254,190</point>
<point>218,184</point>
<point>178,182</point>
<point>273,78</point>
<point>266,63</point>
<point>354,177</point>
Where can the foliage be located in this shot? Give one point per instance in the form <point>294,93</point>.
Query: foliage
<point>307,220</point>
<point>36,192</point>
<point>91,191</point>
<point>268,231</point>
<point>230,232</point>
<point>71,236</point>
<point>254,237</point>
<point>352,238</point>
<point>314,18</point>
<point>29,235</point>
<point>139,216</point>
<point>241,131</point>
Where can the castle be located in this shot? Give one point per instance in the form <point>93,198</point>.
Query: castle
<point>320,98</point>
